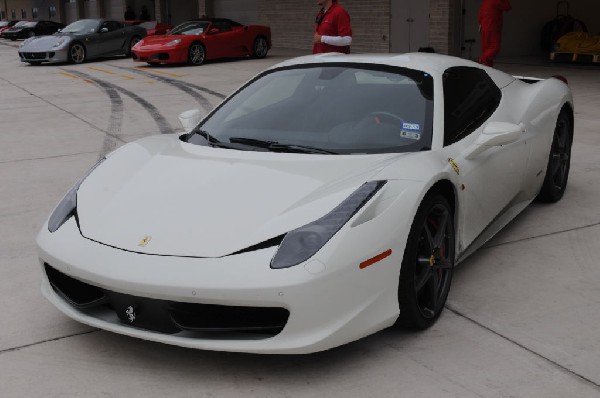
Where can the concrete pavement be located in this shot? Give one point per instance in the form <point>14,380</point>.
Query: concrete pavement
<point>522,317</point>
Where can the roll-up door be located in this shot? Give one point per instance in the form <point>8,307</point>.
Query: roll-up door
<point>242,11</point>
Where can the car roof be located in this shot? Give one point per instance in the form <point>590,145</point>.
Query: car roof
<point>434,64</point>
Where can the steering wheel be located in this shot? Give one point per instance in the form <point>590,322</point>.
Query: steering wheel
<point>387,117</point>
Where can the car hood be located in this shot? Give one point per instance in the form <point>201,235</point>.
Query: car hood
<point>189,200</point>
<point>160,40</point>
<point>44,43</point>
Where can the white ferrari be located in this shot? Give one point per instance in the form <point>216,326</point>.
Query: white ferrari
<point>328,198</point>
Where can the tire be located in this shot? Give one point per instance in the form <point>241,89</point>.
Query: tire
<point>427,265</point>
<point>134,40</point>
<point>196,54</point>
<point>260,47</point>
<point>559,161</point>
<point>77,53</point>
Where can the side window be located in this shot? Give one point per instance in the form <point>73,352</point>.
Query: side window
<point>223,26</point>
<point>470,98</point>
<point>113,25</point>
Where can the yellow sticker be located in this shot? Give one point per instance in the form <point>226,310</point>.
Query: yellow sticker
<point>145,241</point>
<point>454,165</point>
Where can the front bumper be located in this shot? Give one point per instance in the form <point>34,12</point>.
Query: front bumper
<point>161,55</point>
<point>328,305</point>
<point>58,55</point>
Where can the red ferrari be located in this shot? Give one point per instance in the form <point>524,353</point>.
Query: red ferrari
<point>197,41</point>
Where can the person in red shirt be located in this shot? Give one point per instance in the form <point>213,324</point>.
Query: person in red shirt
<point>333,32</point>
<point>490,26</point>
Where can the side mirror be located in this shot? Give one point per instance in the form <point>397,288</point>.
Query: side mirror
<point>214,31</point>
<point>103,30</point>
<point>494,134</point>
<point>190,119</point>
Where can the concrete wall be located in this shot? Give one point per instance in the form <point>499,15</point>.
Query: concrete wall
<point>293,22</point>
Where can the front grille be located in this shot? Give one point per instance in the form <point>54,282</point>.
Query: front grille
<point>186,319</point>
<point>159,57</point>
<point>35,55</point>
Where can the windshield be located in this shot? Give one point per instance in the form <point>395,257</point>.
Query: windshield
<point>334,108</point>
<point>3,24</point>
<point>20,24</point>
<point>82,26</point>
<point>29,24</point>
<point>148,25</point>
<point>190,28</point>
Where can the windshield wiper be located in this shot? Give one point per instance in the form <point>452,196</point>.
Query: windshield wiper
<point>207,136</point>
<point>278,147</point>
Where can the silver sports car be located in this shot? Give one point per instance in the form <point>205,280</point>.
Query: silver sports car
<point>82,40</point>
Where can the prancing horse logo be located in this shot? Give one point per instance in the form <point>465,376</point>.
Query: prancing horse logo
<point>144,242</point>
<point>130,314</point>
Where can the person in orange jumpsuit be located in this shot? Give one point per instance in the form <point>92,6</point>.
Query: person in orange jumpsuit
<point>490,26</point>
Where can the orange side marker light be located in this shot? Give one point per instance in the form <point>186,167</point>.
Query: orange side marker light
<point>375,259</point>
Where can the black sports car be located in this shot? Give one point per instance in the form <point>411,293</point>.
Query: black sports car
<point>25,29</point>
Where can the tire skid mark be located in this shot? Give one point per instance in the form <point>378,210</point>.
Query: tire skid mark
<point>62,109</point>
<point>116,115</point>
<point>163,125</point>
<point>184,86</point>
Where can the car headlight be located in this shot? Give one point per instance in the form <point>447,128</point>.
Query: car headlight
<point>27,41</point>
<point>68,205</point>
<point>302,243</point>
<point>173,43</point>
<point>59,43</point>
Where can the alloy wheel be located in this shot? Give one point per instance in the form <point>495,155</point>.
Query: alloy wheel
<point>434,262</point>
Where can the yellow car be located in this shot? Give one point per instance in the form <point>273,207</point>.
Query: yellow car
<point>576,44</point>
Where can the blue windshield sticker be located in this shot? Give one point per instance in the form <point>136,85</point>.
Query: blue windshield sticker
<point>410,135</point>
<point>411,126</point>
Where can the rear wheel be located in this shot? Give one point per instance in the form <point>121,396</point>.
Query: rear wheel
<point>428,264</point>
<point>77,53</point>
<point>559,161</point>
<point>260,48</point>
<point>196,54</point>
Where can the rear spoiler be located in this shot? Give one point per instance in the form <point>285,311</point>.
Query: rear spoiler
<point>532,80</point>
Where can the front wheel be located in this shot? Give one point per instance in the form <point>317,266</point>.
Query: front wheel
<point>260,48</point>
<point>134,40</point>
<point>77,53</point>
<point>196,54</point>
<point>428,264</point>
<point>559,161</point>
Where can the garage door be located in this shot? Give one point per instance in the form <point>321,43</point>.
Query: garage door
<point>523,25</point>
<point>242,11</point>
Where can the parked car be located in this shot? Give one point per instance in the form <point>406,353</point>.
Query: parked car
<point>152,27</point>
<point>197,41</point>
<point>16,25</point>
<point>5,25</point>
<point>82,40</point>
<point>577,45</point>
<point>31,29</point>
<point>328,198</point>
